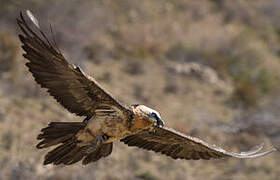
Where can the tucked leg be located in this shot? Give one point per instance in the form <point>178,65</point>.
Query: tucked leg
<point>97,141</point>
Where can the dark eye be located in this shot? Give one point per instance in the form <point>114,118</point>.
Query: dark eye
<point>154,115</point>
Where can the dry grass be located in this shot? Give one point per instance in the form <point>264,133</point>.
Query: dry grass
<point>141,51</point>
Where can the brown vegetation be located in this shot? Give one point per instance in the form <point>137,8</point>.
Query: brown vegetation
<point>210,67</point>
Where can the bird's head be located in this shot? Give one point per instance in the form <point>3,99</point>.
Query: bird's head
<point>152,115</point>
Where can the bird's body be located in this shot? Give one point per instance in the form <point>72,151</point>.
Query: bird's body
<point>113,125</point>
<point>107,120</point>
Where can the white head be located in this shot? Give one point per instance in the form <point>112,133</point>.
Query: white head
<point>153,115</point>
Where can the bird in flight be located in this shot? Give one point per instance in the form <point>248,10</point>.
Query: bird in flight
<point>106,119</point>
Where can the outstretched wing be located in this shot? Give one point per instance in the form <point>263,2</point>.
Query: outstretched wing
<point>177,145</point>
<point>69,85</point>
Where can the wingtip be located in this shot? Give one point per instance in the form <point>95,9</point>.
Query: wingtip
<point>271,150</point>
<point>19,19</point>
<point>46,162</point>
<point>21,15</point>
<point>254,150</point>
<point>32,18</point>
<point>276,148</point>
<point>276,144</point>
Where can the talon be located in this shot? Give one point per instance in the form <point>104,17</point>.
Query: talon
<point>98,140</point>
<point>91,148</point>
<point>105,137</point>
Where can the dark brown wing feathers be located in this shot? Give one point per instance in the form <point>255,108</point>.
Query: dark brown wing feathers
<point>177,145</point>
<point>72,88</point>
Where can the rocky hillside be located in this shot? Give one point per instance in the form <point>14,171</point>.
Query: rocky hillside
<point>211,68</point>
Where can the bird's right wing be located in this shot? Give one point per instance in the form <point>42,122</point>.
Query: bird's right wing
<point>78,92</point>
<point>177,145</point>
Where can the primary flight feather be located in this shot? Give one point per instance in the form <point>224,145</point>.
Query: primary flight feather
<point>106,119</point>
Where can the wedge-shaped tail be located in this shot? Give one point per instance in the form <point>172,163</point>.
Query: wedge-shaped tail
<point>70,149</point>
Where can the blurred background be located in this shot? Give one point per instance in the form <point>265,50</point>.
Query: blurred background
<point>210,67</point>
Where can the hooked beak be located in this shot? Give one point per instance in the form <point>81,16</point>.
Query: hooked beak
<point>160,122</point>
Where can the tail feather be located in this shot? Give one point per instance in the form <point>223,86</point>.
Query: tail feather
<point>58,153</point>
<point>69,151</point>
<point>53,141</point>
<point>68,157</point>
<point>77,156</point>
<point>58,132</point>
<point>103,151</point>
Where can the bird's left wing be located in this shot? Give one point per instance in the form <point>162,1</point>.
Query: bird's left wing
<point>177,145</point>
<point>78,92</point>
